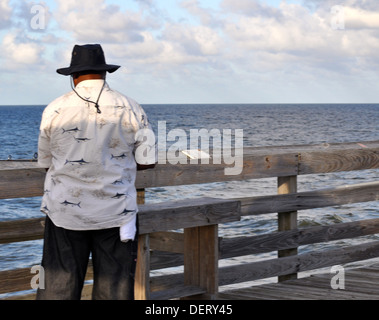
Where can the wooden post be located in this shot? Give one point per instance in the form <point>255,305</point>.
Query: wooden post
<point>287,220</point>
<point>209,261</point>
<point>142,276</point>
<point>201,260</point>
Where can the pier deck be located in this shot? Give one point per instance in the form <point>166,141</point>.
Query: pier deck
<point>359,284</point>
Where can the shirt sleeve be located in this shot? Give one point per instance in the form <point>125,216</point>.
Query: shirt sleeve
<point>44,152</point>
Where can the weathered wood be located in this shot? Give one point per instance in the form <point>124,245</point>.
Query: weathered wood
<point>315,287</point>
<point>192,257</point>
<point>209,261</point>
<point>32,229</point>
<point>281,266</point>
<point>142,276</point>
<point>179,291</point>
<point>19,179</point>
<point>26,179</point>
<point>294,264</point>
<point>241,246</point>
<point>360,284</point>
<point>15,280</point>
<point>329,197</point>
<point>201,260</point>
<point>22,183</point>
<point>167,241</point>
<point>20,279</point>
<point>229,248</point>
<point>337,161</point>
<point>287,220</point>
<point>21,230</point>
<point>152,218</point>
<point>187,214</point>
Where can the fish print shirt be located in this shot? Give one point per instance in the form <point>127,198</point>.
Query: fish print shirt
<point>90,184</point>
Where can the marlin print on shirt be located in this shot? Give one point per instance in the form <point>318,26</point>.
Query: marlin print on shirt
<point>79,162</point>
<point>79,140</point>
<point>120,195</point>
<point>66,203</point>
<point>118,182</point>
<point>70,130</point>
<point>122,156</point>
<point>126,212</point>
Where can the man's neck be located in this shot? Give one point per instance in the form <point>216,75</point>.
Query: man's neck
<point>87,77</point>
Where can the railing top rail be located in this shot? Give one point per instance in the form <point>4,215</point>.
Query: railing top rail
<point>25,179</point>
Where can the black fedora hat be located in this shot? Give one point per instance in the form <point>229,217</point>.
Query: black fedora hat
<point>89,57</point>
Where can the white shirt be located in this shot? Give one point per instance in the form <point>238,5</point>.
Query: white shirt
<point>90,184</point>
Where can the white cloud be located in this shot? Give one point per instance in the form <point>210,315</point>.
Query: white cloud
<point>238,45</point>
<point>356,18</point>
<point>5,14</point>
<point>206,15</point>
<point>19,53</point>
<point>96,21</point>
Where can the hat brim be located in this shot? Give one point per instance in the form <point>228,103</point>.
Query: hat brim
<point>71,70</point>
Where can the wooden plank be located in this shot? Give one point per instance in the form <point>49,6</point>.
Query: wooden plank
<point>187,214</point>
<point>20,279</point>
<point>152,218</point>
<point>241,246</point>
<point>179,291</point>
<point>255,166</point>
<point>22,183</point>
<point>15,280</point>
<point>314,287</point>
<point>337,161</point>
<point>167,241</point>
<point>294,264</point>
<point>27,179</point>
<point>347,194</point>
<point>162,260</point>
<point>21,230</point>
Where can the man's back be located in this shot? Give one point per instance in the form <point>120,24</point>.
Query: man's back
<point>90,184</point>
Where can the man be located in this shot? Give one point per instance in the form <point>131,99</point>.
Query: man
<point>88,141</point>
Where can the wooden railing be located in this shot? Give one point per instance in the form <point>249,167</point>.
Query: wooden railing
<point>198,248</point>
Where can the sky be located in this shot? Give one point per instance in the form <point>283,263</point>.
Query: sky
<point>196,51</point>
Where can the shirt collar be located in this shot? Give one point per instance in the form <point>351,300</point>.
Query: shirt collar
<point>93,83</point>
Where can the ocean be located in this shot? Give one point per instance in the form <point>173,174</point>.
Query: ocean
<point>262,124</point>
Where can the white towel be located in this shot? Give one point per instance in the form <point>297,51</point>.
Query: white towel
<point>128,231</point>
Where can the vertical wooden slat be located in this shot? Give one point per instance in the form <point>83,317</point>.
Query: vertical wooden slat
<point>287,220</point>
<point>141,196</point>
<point>191,256</point>
<point>201,260</point>
<point>209,261</point>
<point>142,276</point>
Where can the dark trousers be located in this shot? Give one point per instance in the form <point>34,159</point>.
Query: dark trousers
<point>65,259</point>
